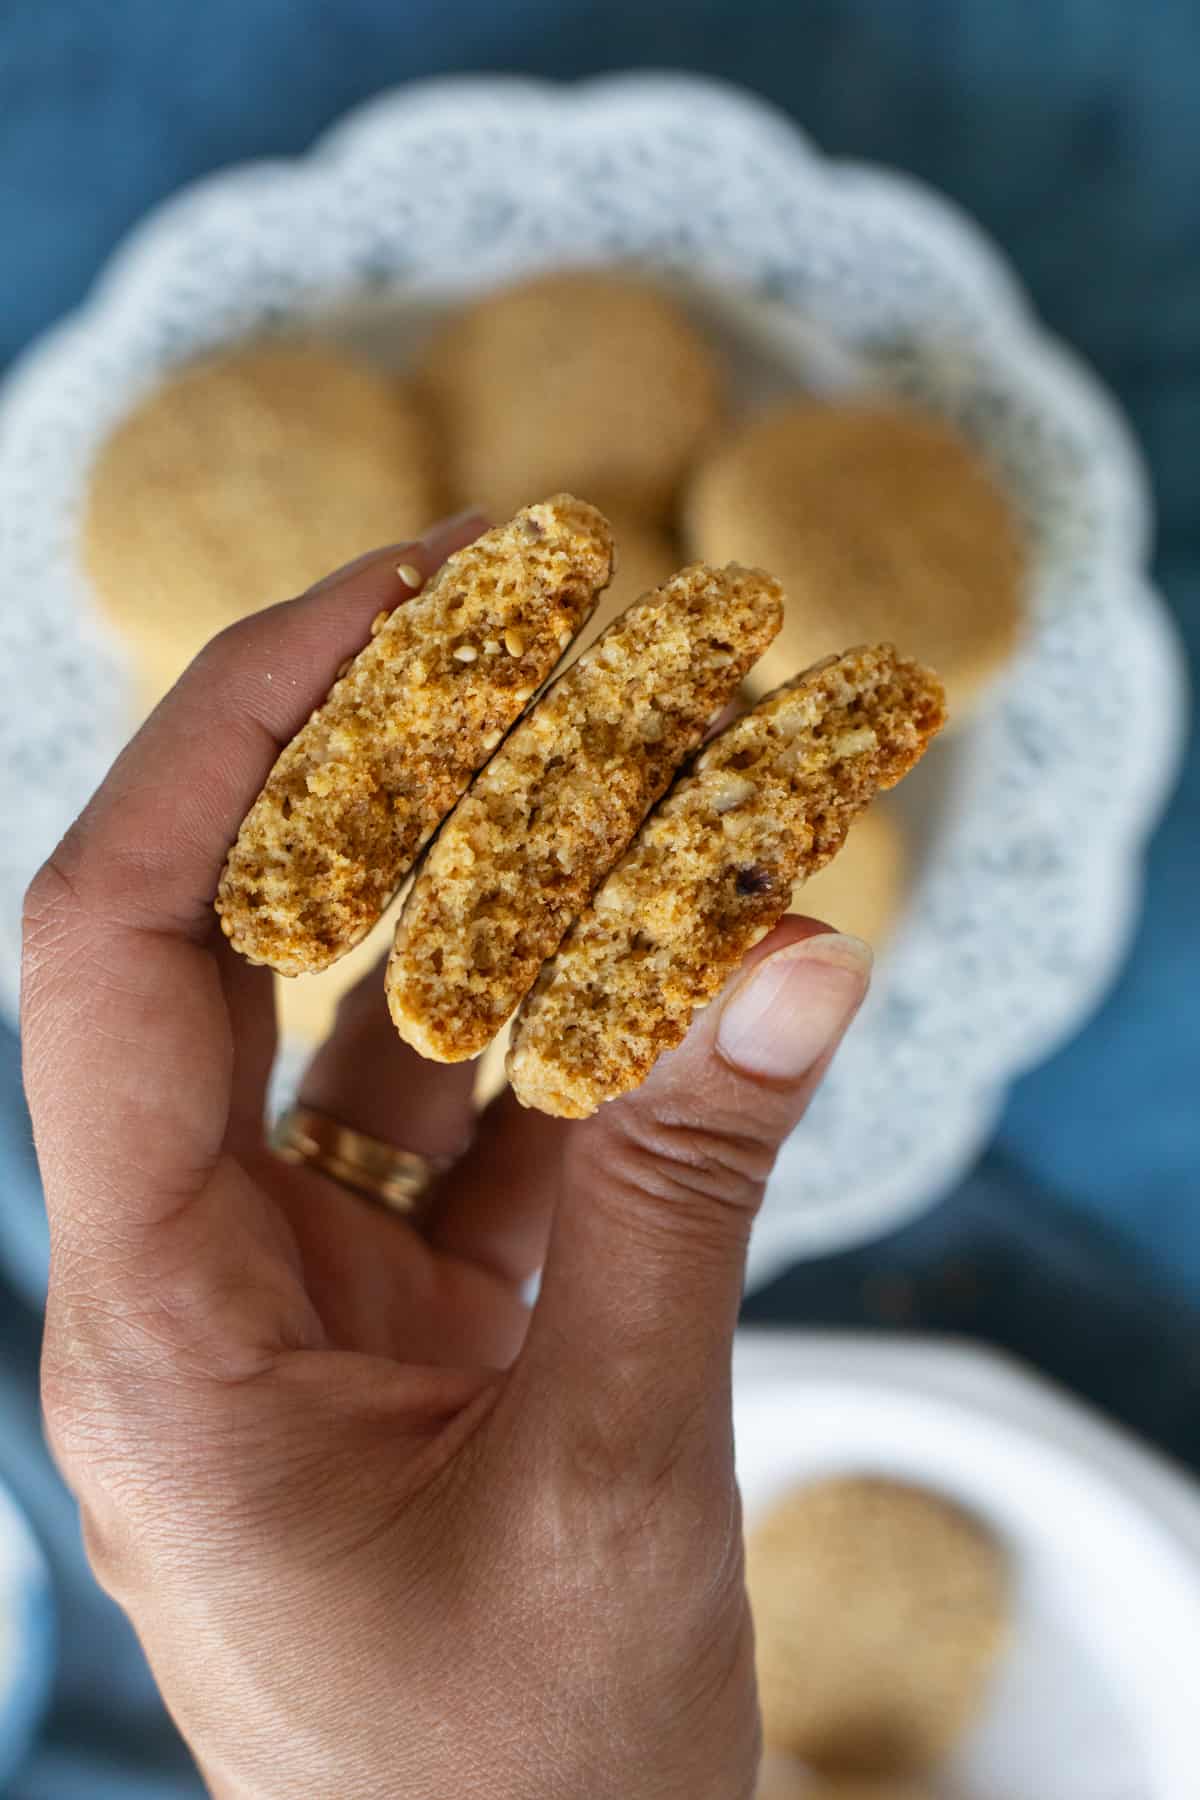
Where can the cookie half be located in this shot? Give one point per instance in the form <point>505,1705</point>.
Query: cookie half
<point>907,1597</point>
<point>561,799</point>
<point>365,783</point>
<point>711,871</point>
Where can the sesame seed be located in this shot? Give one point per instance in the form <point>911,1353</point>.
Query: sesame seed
<point>410,575</point>
<point>379,621</point>
<point>514,641</point>
<point>466,653</point>
<point>491,647</point>
<point>564,638</point>
<point>344,667</point>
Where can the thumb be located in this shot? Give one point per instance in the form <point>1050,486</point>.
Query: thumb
<point>643,1278</point>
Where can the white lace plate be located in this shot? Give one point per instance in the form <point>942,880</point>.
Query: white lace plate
<point>1034,817</point>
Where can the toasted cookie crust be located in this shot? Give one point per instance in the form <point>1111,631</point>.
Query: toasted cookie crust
<point>767,802</point>
<point>365,783</point>
<point>561,799</point>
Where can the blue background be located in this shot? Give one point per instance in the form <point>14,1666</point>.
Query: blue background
<point>1071,128</point>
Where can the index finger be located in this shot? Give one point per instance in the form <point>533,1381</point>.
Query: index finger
<point>128,1049</point>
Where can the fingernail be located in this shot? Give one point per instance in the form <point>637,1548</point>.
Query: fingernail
<point>441,538</point>
<point>792,1009</point>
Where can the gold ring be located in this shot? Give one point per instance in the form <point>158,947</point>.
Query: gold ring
<point>393,1178</point>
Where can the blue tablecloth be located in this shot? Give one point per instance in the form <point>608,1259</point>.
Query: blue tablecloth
<point>1071,129</point>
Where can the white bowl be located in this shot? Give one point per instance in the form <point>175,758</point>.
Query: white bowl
<point>1034,817</point>
<point>1095,1698</point>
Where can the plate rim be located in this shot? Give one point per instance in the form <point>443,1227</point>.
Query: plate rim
<point>389,124</point>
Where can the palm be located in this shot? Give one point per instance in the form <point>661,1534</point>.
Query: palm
<point>383,1289</point>
<point>374,1284</point>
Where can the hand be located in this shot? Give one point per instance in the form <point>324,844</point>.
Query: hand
<point>382,1531</point>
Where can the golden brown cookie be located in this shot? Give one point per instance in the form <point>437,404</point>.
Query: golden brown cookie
<point>560,801</point>
<point>588,380</point>
<point>863,889</point>
<point>879,1613</point>
<point>864,1787</point>
<point>242,479</point>
<point>783,1778</point>
<point>769,800</point>
<point>881,522</point>
<point>364,784</point>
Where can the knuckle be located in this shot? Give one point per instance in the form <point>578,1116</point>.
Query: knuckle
<point>223,658</point>
<point>53,899</point>
<point>225,648</point>
<point>68,906</point>
<point>110,1545</point>
<point>107,1478</point>
<point>90,1403</point>
<point>657,1502</point>
<point>114,1394</point>
<point>718,1165</point>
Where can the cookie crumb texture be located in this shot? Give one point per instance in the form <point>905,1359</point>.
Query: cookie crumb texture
<point>561,799</point>
<point>365,783</point>
<point>766,804</point>
<point>908,1597</point>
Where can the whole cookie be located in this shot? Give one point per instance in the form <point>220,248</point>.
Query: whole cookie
<point>865,1787</point>
<point>560,800</point>
<point>880,522</point>
<point>768,801</point>
<point>783,1778</point>
<point>591,381</point>
<point>364,784</point>
<point>863,889</point>
<point>240,480</point>
<point>879,1612</point>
